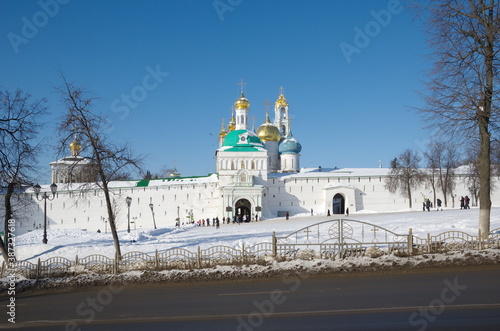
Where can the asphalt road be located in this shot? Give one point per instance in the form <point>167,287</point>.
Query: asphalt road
<point>453,299</point>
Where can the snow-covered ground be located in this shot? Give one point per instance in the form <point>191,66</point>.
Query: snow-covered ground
<point>69,243</point>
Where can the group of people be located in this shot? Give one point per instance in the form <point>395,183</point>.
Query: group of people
<point>464,202</point>
<point>237,219</point>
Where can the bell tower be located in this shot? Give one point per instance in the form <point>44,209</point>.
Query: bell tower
<point>281,117</point>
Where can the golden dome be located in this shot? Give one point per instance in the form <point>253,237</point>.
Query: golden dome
<point>75,145</point>
<point>231,126</point>
<point>223,131</point>
<point>268,131</point>
<point>242,102</point>
<point>281,102</point>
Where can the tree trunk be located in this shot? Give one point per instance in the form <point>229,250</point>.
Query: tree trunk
<point>112,223</point>
<point>409,196</point>
<point>483,118</point>
<point>485,184</point>
<point>8,216</point>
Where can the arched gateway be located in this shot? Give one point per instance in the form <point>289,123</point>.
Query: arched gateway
<point>338,204</point>
<point>243,207</point>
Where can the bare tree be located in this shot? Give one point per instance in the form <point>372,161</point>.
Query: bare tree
<point>442,159</point>
<point>432,173</point>
<point>462,98</point>
<point>110,161</point>
<point>404,174</point>
<point>19,124</point>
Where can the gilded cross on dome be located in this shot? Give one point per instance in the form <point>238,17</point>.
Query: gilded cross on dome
<point>242,86</point>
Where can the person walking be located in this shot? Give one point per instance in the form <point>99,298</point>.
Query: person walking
<point>438,202</point>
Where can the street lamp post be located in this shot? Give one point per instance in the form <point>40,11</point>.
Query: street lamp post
<point>129,201</point>
<point>44,197</point>
<point>152,212</point>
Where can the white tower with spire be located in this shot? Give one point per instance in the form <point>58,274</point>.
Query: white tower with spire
<point>281,117</point>
<point>242,107</point>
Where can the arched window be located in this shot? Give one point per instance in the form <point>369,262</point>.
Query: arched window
<point>243,178</point>
<point>253,165</point>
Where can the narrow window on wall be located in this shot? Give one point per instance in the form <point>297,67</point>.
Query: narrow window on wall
<point>199,196</point>
<point>175,197</point>
<point>150,199</point>
<point>64,205</point>
<point>138,201</point>
<point>187,196</point>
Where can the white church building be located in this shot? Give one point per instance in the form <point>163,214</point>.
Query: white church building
<point>258,174</point>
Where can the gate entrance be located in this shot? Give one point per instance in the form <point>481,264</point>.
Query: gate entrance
<point>338,204</point>
<point>243,207</point>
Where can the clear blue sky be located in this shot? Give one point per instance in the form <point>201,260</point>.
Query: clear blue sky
<point>348,110</point>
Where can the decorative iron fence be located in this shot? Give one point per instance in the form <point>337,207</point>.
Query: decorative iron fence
<point>333,239</point>
<point>342,238</point>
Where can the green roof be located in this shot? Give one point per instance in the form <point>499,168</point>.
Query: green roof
<point>242,141</point>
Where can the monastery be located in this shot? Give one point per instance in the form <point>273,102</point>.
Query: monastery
<point>258,174</point>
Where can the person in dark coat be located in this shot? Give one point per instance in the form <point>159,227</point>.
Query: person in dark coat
<point>438,202</point>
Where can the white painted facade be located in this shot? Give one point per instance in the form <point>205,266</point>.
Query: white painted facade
<point>243,184</point>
